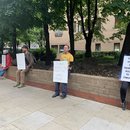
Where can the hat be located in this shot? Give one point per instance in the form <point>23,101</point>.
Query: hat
<point>25,46</point>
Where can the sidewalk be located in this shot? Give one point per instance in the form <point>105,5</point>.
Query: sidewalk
<point>32,108</point>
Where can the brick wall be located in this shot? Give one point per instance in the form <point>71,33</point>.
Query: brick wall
<point>101,89</point>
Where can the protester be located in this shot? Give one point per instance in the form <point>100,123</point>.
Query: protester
<point>65,56</point>
<point>123,91</point>
<point>7,65</point>
<point>21,74</point>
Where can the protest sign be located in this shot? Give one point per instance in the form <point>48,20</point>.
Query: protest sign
<point>21,65</point>
<point>60,71</point>
<point>125,75</point>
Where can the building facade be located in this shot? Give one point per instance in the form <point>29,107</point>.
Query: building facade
<point>59,38</point>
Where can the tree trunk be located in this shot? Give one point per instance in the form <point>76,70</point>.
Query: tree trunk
<point>88,52</point>
<point>71,36</point>
<point>14,43</point>
<point>29,44</point>
<point>126,46</point>
<point>48,52</point>
<point>70,21</point>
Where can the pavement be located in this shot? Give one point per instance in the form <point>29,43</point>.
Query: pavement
<point>32,108</point>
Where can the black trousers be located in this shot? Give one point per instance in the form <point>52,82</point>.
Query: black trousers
<point>123,90</point>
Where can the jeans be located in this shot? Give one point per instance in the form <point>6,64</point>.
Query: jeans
<point>123,90</point>
<point>63,87</point>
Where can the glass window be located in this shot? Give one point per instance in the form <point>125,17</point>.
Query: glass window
<point>97,47</point>
<point>116,46</point>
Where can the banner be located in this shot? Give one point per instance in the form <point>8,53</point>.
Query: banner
<point>60,71</point>
<point>125,75</point>
<point>21,65</point>
<point>3,60</point>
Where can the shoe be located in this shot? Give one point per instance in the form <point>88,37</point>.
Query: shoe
<point>63,96</point>
<point>16,85</point>
<point>21,86</point>
<point>55,95</point>
<point>124,106</point>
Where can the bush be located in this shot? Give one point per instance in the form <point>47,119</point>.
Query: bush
<point>40,54</point>
<point>79,54</point>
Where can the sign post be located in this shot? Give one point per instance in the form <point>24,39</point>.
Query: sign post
<point>60,71</point>
<point>125,75</point>
<point>21,65</point>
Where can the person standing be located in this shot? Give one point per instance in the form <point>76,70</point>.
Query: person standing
<point>21,74</point>
<point>65,56</point>
<point>123,92</point>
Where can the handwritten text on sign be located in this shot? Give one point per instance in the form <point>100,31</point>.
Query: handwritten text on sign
<point>125,76</point>
<point>60,71</point>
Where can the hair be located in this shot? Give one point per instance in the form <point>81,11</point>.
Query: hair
<point>67,45</point>
<point>25,46</point>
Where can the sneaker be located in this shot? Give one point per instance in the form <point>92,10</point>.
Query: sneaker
<point>55,95</point>
<point>124,106</point>
<point>21,86</point>
<point>63,96</point>
<point>16,85</point>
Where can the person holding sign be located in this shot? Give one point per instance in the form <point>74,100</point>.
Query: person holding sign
<point>6,62</point>
<point>24,64</point>
<point>65,56</point>
<point>125,78</point>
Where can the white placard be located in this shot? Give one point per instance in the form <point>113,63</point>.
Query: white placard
<point>60,71</point>
<point>125,75</point>
<point>21,65</point>
<point>3,60</point>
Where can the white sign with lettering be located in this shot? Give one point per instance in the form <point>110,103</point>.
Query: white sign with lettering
<point>60,71</point>
<point>21,65</point>
<point>3,60</point>
<point>125,75</point>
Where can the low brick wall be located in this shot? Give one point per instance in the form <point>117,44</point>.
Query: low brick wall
<point>101,89</point>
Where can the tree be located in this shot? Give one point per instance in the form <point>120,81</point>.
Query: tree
<point>70,11</point>
<point>121,10</point>
<point>17,14</point>
<point>51,15</point>
<point>91,20</point>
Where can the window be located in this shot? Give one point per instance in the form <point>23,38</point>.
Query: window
<point>58,33</point>
<point>117,21</point>
<point>116,46</point>
<point>74,26</point>
<point>79,26</point>
<point>61,48</point>
<point>97,47</point>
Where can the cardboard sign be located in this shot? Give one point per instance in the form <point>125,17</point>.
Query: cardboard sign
<point>3,60</point>
<point>21,65</point>
<point>60,71</point>
<point>125,75</point>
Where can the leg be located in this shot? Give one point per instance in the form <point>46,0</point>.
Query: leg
<point>64,89</point>
<point>18,76</point>
<point>123,91</point>
<point>23,74</point>
<point>57,90</point>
